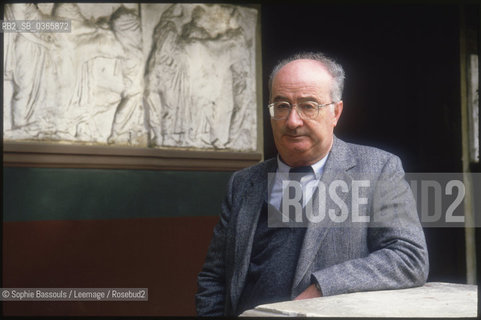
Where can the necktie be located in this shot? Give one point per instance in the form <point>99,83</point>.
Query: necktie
<point>296,174</point>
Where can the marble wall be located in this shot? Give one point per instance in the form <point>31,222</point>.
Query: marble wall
<point>149,75</point>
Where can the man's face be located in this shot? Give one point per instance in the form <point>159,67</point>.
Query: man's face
<point>302,142</point>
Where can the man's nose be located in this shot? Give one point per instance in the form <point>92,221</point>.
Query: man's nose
<point>293,120</point>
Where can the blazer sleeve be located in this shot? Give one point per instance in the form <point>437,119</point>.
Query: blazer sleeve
<point>397,256</point>
<point>211,281</point>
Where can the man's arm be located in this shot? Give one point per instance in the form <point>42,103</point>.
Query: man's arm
<point>398,255</point>
<point>211,281</point>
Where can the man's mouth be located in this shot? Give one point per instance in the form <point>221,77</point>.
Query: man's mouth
<point>294,136</point>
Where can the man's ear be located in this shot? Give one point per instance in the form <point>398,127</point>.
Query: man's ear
<point>337,112</point>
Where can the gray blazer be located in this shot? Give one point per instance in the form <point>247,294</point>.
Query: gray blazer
<point>343,258</point>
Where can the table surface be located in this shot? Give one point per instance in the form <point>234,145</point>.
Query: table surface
<point>434,299</point>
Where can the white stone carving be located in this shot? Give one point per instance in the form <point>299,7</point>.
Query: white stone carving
<point>159,75</point>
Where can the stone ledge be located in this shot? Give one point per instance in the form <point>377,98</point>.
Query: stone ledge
<point>434,299</point>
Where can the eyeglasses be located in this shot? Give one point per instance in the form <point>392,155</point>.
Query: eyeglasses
<point>280,110</point>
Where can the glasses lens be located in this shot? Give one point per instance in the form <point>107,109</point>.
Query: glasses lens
<point>306,110</point>
<point>280,110</point>
<point>309,109</point>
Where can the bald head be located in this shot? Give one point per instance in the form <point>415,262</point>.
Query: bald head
<point>332,67</point>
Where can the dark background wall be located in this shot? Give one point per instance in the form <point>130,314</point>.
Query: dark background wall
<point>402,90</point>
<point>128,228</point>
<point>84,228</point>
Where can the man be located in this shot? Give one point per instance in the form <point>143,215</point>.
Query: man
<point>378,244</point>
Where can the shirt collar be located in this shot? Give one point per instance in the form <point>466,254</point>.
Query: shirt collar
<point>316,167</point>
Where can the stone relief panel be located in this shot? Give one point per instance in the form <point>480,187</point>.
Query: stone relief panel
<point>156,75</point>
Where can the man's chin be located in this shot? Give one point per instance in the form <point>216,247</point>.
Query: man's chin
<point>297,145</point>
<point>295,155</point>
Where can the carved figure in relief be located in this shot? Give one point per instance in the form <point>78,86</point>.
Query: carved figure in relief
<point>129,119</point>
<point>197,90</point>
<point>90,79</point>
<point>69,86</point>
<point>27,61</point>
<point>192,88</point>
<point>167,92</point>
<point>8,69</point>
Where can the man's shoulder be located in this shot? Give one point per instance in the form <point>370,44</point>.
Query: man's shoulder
<point>367,158</point>
<point>256,170</point>
<point>243,180</point>
<point>368,152</point>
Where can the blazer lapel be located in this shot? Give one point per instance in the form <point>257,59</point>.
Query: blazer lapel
<point>336,168</point>
<point>246,225</point>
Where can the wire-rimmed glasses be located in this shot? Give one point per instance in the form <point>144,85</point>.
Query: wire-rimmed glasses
<point>280,110</point>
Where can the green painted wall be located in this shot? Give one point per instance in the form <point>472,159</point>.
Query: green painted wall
<point>32,194</point>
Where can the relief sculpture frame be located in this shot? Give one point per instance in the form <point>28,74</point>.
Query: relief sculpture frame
<point>168,86</point>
